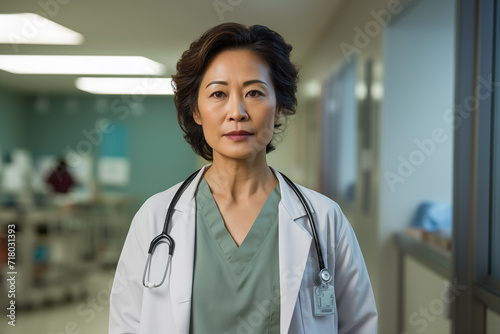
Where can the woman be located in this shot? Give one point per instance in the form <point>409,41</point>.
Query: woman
<point>244,259</point>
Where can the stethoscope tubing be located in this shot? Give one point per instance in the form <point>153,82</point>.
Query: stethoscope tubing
<point>311,219</point>
<point>323,277</point>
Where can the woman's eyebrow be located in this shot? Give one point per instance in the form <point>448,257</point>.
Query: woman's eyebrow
<point>217,83</point>
<point>249,82</point>
<point>246,83</point>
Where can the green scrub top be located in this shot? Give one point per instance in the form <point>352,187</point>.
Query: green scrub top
<point>235,289</point>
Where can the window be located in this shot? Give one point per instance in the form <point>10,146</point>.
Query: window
<point>476,236</point>
<point>340,121</point>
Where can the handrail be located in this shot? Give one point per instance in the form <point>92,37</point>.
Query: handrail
<point>436,259</point>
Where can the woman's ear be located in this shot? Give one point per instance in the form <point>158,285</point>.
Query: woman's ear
<point>196,115</point>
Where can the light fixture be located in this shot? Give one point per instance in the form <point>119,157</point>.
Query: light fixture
<point>360,90</point>
<point>107,65</point>
<point>29,28</point>
<point>377,91</point>
<point>313,88</point>
<point>125,86</point>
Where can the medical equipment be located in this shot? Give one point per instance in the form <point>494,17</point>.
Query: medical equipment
<point>322,277</point>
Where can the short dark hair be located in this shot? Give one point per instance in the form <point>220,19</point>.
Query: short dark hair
<point>231,36</point>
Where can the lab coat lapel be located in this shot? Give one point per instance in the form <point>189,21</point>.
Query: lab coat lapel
<point>294,245</point>
<point>183,232</point>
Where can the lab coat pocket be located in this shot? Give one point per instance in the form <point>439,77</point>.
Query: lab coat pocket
<point>312,323</point>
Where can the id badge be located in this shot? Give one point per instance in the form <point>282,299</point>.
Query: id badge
<point>324,300</point>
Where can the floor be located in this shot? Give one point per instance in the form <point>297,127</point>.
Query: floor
<point>86,316</point>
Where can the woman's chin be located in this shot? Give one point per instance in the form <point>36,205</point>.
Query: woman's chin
<point>241,154</point>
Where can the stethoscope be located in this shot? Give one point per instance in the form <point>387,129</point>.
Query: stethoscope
<point>322,277</point>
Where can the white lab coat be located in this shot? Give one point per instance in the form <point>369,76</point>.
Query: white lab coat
<point>166,309</point>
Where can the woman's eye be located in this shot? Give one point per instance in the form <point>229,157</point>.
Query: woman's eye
<point>254,93</point>
<point>218,95</point>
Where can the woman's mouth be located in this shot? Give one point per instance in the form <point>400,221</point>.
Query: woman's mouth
<point>238,135</point>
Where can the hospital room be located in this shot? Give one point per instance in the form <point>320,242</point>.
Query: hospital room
<point>147,146</point>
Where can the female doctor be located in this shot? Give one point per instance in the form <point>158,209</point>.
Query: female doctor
<point>244,258</point>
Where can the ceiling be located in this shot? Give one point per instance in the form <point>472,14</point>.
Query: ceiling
<point>158,29</point>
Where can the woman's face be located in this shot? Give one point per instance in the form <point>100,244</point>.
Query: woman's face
<point>237,95</point>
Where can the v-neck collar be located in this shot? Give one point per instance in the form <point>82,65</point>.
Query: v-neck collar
<point>238,257</point>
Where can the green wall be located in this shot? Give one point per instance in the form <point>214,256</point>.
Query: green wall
<point>53,125</point>
<point>12,121</point>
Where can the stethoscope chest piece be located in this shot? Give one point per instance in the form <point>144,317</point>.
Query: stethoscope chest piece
<point>162,239</point>
<point>323,277</point>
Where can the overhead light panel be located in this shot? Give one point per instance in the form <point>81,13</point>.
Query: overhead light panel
<point>29,28</point>
<point>126,86</point>
<point>85,65</point>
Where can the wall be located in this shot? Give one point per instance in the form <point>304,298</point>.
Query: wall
<point>53,125</point>
<point>424,307</point>
<point>326,58</point>
<point>419,83</point>
<point>492,322</point>
<point>12,118</point>
<point>413,63</point>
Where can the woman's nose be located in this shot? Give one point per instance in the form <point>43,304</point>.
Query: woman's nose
<point>236,109</point>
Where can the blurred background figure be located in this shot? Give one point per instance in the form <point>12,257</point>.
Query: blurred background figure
<point>16,178</point>
<point>60,179</point>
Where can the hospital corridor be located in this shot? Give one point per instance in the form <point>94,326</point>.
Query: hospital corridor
<point>363,166</point>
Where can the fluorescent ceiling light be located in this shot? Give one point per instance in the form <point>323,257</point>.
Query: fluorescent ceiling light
<point>126,86</point>
<point>117,65</point>
<point>29,28</point>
